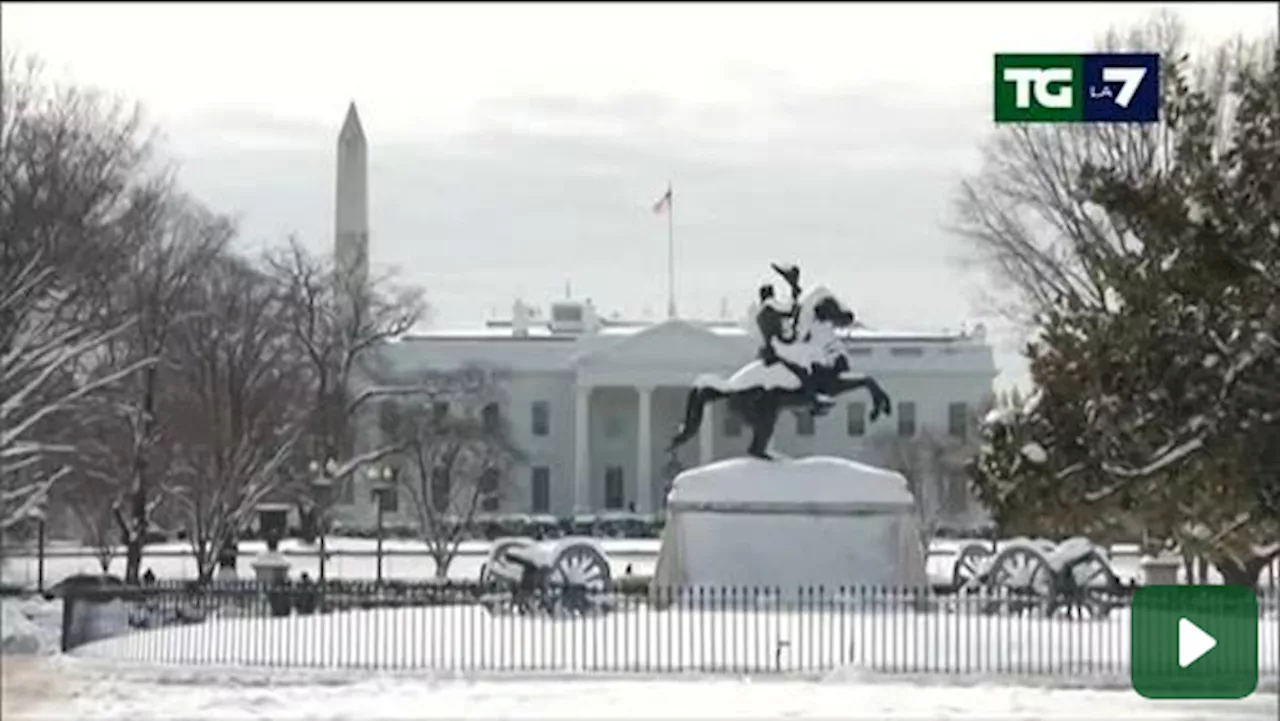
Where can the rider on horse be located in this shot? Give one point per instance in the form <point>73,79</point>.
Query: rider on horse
<point>801,336</point>
<point>777,324</point>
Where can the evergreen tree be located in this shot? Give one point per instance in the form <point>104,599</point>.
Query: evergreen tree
<point>1158,408</point>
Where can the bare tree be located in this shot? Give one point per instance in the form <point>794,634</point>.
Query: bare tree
<point>38,386</point>
<point>338,322</point>
<point>457,455</point>
<point>74,190</point>
<point>179,242</point>
<point>234,405</point>
<point>91,502</point>
<point>934,466</point>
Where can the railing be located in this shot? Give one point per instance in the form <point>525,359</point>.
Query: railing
<point>28,570</point>
<point>453,627</point>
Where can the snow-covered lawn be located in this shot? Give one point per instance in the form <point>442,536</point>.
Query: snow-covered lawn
<point>353,558</point>
<point>72,688</point>
<point>645,639</point>
<point>350,558</point>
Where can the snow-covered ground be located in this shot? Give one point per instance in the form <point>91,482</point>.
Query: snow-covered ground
<point>350,558</point>
<point>30,626</point>
<point>73,688</point>
<point>353,558</point>
<point>905,665</point>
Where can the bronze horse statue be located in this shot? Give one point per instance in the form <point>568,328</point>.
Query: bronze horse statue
<point>760,391</point>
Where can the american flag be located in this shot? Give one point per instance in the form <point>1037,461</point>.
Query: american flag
<point>664,203</point>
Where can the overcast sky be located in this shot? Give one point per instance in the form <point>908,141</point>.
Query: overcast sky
<point>514,148</point>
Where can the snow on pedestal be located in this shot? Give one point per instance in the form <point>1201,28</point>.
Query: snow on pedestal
<point>821,521</point>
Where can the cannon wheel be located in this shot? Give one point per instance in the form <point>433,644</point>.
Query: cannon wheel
<point>580,573</point>
<point>1021,579</point>
<point>497,594</point>
<point>496,553</point>
<point>969,565</point>
<point>1088,588</point>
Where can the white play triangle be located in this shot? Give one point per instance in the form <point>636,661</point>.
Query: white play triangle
<point>1193,643</point>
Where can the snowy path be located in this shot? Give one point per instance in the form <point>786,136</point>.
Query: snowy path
<point>66,688</point>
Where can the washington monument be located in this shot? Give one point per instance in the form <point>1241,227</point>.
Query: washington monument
<point>351,209</point>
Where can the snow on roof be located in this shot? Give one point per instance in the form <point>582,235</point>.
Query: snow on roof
<point>543,333</point>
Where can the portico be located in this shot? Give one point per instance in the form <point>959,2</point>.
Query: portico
<point>656,365</point>
<point>650,436</point>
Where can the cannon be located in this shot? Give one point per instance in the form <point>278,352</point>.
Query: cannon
<point>563,576</point>
<point>1072,579</point>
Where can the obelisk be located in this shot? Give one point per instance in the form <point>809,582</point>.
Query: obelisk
<point>351,216</point>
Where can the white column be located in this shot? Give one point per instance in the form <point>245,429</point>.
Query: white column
<point>582,451</point>
<point>706,436</point>
<point>644,461</point>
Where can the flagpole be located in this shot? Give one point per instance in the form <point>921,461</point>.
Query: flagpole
<point>671,253</point>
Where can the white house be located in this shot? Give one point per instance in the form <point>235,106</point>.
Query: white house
<point>594,402</point>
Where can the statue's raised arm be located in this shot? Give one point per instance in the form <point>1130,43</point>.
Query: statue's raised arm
<point>791,273</point>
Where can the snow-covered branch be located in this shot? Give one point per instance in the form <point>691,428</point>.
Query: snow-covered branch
<point>1162,460</point>
<point>23,499</point>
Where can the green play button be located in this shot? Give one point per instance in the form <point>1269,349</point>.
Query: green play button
<point>1194,642</point>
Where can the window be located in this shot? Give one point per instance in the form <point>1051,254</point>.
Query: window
<point>612,425</point>
<point>541,418</point>
<point>541,483</point>
<point>489,499</point>
<point>440,490</point>
<point>907,419</point>
<point>958,420</point>
<point>856,422</point>
<point>907,352</point>
<point>491,417</point>
<point>614,496</point>
<point>732,425</point>
<point>804,423</point>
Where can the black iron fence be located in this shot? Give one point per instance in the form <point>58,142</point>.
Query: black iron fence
<point>42,571</point>
<point>467,627</point>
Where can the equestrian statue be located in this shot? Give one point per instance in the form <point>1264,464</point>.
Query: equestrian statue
<point>801,365</point>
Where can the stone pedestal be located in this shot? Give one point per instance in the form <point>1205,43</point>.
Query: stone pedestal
<point>272,571</point>
<point>789,526</point>
<point>271,568</point>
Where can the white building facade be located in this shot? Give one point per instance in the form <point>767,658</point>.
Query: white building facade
<point>594,403</point>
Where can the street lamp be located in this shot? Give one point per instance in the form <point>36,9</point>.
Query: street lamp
<point>384,487</point>
<point>37,514</point>
<point>322,493</point>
